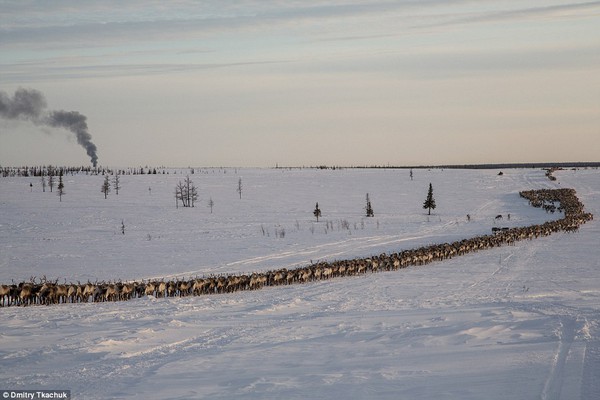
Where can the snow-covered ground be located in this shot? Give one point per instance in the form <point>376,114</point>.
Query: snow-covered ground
<point>518,322</point>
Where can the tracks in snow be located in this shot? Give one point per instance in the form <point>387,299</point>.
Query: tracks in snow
<point>330,251</point>
<point>327,251</point>
<point>575,364</point>
<point>590,380</point>
<point>554,383</point>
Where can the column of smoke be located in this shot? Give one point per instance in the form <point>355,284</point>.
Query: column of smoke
<point>30,105</point>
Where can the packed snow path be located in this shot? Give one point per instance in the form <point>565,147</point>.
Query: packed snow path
<point>512,322</point>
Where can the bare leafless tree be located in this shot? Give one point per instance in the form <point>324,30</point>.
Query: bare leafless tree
<point>186,192</point>
<point>50,181</point>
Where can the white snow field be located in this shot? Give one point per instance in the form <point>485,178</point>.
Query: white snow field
<point>515,322</point>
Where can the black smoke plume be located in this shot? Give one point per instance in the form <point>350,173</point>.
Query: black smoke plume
<point>75,122</point>
<point>30,105</point>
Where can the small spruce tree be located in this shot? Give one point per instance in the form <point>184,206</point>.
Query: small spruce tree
<point>61,187</point>
<point>317,212</point>
<point>369,208</point>
<point>430,201</point>
<point>105,186</point>
<point>117,183</point>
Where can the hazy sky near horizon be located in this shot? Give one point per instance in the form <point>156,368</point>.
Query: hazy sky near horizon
<point>260,83</point>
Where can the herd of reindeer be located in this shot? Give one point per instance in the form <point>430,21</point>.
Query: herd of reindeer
<point>48,292</point>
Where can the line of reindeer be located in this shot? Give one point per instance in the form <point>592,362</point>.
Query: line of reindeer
<point>48,292</point>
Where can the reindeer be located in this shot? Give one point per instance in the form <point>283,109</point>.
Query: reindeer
<point>72,293</point>
<point>199,287</point>
<point>161,290</point>
<point>7,292</point>
<point>317,272</point>
<point>112,292</point>
<point>171,288</point>
<point>279,276</point>
<point>374,266</point>
<point>221,284</point>
<point>62,293</point>
<point>150,289</point>
<point>27,292</point>
<point>89,290</point>
<point>185,287</point>
<point>128,291</point>
<point>290,277</point>
<point>327,272</point>
<point>257,281</point>
<point>305,275</point>
<point>47,293</point>
<point>233,283</point>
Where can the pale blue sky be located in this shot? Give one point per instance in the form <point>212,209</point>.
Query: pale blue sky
<point>256,83</point>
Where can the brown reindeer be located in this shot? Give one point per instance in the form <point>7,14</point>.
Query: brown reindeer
<point>26,293</point>
<point>150,289</point>
<point>199,287</point>
<point>128,291</point>
<point>184,288</point>
<point>6,292</point>
<point>257,281</point>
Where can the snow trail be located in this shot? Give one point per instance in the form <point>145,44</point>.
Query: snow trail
<point>566,335</point>
<point>590,381</point>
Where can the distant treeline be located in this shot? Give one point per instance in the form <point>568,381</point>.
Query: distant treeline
<point>587,164</point>
<point>517,165</point>
<point>45,170</point>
